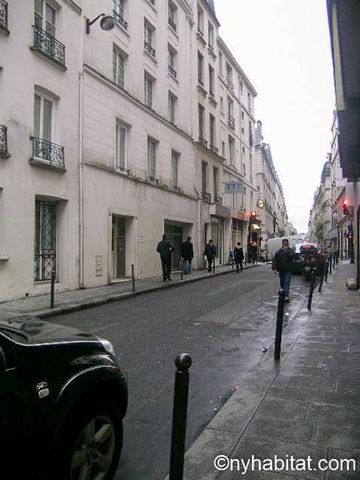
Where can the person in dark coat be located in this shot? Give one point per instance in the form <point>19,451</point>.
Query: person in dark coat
<point>210,254</point>
<point>187,254</point>
<point>239,257</point>
<point>165,249</point>
<point>282,264</point>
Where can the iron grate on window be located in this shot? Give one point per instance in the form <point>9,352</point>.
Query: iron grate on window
<point>48,45</point>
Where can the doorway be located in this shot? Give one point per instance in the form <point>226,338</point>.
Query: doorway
<point>118,247</point>
<point>175,235</point>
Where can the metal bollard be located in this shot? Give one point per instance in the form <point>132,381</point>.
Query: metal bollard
<point>181,268</point>
<point>312,286</point>
<point>330,264</point>
<point>279,324</point>
<point>52,289</point>
<point>183,363</point>
<point>326,270</point>
<point>132,277</point>
<point>214,266</point>
<point>322,278</point>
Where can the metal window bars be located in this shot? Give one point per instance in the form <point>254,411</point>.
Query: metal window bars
<point>48,152</point>
<point>48,45</point>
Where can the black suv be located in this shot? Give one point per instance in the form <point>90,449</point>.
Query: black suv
<point>62,401</point>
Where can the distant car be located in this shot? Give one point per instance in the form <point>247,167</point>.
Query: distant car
<point>298,260</point>
<point>62,401</point>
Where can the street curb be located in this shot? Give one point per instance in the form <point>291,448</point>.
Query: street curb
<point>48,313</point>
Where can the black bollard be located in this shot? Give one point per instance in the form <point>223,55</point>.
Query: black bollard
<point>322,277</point>
<point>326,270</point>
<point>312,286</point>
<point>279,324</point>
<point>183,363</point>
<point>132,277</point>
<point>214,266</point>
<point>181,268</point>
<point>52,289</point>
<point>330,264</point>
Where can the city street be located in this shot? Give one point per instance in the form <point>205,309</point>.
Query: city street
<point>222,322</point>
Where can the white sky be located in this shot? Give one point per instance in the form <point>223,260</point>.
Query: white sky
<point>283,47</point>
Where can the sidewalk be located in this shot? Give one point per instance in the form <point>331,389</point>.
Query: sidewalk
<point>74,300</point>
<point>307,405</point>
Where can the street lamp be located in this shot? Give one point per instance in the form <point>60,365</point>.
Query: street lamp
<point>106,23</point>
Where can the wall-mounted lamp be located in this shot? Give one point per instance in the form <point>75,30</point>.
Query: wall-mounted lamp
<point>106,23</point>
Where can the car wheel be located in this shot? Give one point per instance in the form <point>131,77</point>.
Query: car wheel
<point>93,440</point>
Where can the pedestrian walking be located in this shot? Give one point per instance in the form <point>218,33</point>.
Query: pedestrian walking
<point>239,257</point>
<point>187,254</point>
<point>253,250</point>
<point>165,249</point>
<point>210,254</point>
<point>282,264</point>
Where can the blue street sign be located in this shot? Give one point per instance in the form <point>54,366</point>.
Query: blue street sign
<point>232,187</point>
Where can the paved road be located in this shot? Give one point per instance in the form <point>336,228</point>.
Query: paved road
<point>223,322</point>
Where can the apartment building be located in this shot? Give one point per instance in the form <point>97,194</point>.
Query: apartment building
<point>39,116</point>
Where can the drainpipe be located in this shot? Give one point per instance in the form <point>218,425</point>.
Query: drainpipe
<point>81,163</point>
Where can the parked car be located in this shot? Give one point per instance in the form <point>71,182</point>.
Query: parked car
<point>309,259</point>
<point>62,401</point>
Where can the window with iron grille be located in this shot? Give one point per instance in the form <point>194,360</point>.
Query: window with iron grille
<point>44,32</point>
<point>45,255</point>
<point>149,34</point>
<point>175,156</point>
<point>172,15</point>
<point>44,116</point>
<point>172,57</point>
<point>118,67</point>
<point>121,146</point>
<point>172,107</point>
<point>45,16</point>
<point>151,158</point>
<point>148,90</point>
<point>3,14</point>
<point>119,12</point>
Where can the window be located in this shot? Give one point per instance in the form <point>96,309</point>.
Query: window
<point>149,34</point>
<point>251,168</point>
<point>221,64</point>
<point>203,176</point>
<point>172,107</point>
<point>201,121</point>
<point>119,12</point>
<point>172,59</point>
<point>229,76</point>
<point>211,35</point>
<point>148,90</point>
<point>249,100</point>
<point>172,15</point>
<point>221,104</point>
<point>244,170</point>
<point>216,181</point>
<point>45,16</point>
<point>44,117</point>
<point>223,149</point>
<point>231,150</point>
<point>200,69</point>
<point>212,132</point>
<point>45,239</point>
<point>200,18</point>
<point>121,146</point>
<point>241,87</point>
<point>151,158</point>
<point>211,80</point>
<point>118,67</point>
<point>175,156</point>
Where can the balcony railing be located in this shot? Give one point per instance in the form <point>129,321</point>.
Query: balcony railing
<point>218,199</point>
<point>49,46</point>
<point>214,149</point>
<point>149,48</point>
<point>203,142</point>
<point>120,20</point>
<point>3,14</point>
<point>206,197</point>
<point>48,153</point>
<point>3,141</point>
<point>172,71</point>
<point>231,122</point>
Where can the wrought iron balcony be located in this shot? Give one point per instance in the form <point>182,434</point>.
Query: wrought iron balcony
<point>214,149</point>
<point>172,71</point>
<point>48,46</point>
<point>48,153</point>
<point>149,48</point>
<point>203,142</point>
<point>206,197</point>
<point>119,19</point>
<point>218,199</point>
<point>231,122</point>
<point>3,14</point>
<point>3,142</point>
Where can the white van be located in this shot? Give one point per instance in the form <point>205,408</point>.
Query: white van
<point>272,245</point>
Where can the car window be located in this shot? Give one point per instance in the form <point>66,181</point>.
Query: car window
<point>14,335</point>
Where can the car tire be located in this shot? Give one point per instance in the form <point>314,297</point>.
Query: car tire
<point>91,442</point>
